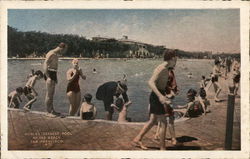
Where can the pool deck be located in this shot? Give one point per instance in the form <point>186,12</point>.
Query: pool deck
<point>36,131</point>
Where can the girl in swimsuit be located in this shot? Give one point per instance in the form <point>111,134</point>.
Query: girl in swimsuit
<point>73,88</point>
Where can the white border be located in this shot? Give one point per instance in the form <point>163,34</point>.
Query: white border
<point>244,13</point>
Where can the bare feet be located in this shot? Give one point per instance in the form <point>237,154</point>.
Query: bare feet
<point>174,142</point>
<point>139,144</point>
<point>217,100</point>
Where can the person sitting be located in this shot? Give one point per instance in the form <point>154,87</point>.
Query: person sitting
<point>88,110</point>
<point>29,90</point>
<point>204,102</point>
<point>122,108</point>
<point>14,98</point>
<point>195,105</point>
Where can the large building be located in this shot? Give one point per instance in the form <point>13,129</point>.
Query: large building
<point>98,38</point>
<point>140,48</point>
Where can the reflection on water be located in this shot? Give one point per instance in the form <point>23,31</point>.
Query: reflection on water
<point>138,73</point>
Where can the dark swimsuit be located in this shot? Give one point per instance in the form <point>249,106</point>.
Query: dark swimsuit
<point>87,115</point>
<point>74,84</point>
<point>27,90</point>
<point>237,78</point>
<point>215,78</point>
<point>156,107</point>
<point>52,75</point>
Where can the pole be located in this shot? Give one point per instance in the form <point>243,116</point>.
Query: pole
<point>230,119</point>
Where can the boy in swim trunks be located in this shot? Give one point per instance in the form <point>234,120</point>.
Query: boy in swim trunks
<point>50,71</point>
<point>29,90</point>
<point>87,110</point>
<point>14,98</point>
<point>157,99</point>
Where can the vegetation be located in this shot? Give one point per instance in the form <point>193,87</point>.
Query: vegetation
<point>37,44</point>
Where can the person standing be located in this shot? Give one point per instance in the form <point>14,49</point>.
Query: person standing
<point>158,83</point>
<point>50,71</point>
<point>215,79</point>
<point>110,90</point>
<point>73,87</point>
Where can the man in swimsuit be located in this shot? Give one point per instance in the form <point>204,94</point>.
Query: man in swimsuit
<point>50,71</point>
<point>107,91</point>
<point>158,83</point>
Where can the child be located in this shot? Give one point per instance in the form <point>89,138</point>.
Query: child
<point>14,98</point>
<point>87,110</point>
<point>204,82</point>
<point>195,105</point>
<point>29,90</point>
<point>204,102</point>
<point>171,92</point>
<point>122,108</point>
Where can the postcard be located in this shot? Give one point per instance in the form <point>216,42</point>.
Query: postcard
<point>126,79</point>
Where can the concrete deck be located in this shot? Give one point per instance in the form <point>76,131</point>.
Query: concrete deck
<point>36,131</point>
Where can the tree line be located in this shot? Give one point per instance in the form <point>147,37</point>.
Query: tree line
<point>37,44</point>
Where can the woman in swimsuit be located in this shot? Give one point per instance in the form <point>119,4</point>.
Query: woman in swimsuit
<point>73,88</point>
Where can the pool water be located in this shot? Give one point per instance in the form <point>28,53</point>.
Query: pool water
<point>138,72</point>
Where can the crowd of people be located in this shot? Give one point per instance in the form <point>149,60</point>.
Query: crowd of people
<point>114,93</point>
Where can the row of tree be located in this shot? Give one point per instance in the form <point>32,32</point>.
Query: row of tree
<point>32,43</point>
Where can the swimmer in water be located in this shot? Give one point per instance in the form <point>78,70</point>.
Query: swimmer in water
<point>189,75</point>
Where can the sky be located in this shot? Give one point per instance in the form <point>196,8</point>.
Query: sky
<point>216,30</point>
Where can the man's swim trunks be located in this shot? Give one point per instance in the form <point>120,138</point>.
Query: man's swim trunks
<point>52,75</point>
<point>74,84</point>
<point>155,105</point>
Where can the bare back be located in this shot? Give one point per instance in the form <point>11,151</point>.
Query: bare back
<point>31,82</point>
<point>51,61</point>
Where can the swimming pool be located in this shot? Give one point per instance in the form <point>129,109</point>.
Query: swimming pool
<point>138,72</point>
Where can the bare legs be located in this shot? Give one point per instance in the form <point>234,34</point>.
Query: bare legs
<point>31,99</point>
<point>217,89</point>
<point>171,129</point>
<point>50,90</point>
<point>108,115</point>
<point>75,101</point>
<point>149,125</point>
